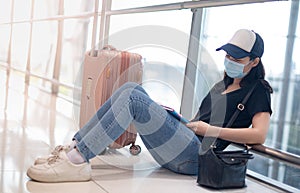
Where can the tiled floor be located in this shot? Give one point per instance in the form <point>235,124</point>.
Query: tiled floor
<point>33,122</point>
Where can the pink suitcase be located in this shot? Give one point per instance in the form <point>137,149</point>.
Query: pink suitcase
<point>102,75</point>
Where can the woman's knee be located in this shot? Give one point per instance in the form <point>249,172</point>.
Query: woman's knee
<point>128,86</point>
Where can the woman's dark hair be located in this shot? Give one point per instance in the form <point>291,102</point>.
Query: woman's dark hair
<point>256,73</point>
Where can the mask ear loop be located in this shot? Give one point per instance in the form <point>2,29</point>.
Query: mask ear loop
<point>251,60</point>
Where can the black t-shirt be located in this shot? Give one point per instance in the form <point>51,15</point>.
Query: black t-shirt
<point>217,108</point>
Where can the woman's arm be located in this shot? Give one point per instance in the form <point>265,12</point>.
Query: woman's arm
<point>255,135</point>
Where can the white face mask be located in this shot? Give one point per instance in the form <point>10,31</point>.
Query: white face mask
<point>234,69</point>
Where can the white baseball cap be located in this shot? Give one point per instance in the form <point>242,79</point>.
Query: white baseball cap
<point>244,43</point>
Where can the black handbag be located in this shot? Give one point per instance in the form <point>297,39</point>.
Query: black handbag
<point>224,169</point>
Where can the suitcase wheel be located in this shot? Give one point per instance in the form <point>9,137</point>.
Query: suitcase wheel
<point>135,149</point>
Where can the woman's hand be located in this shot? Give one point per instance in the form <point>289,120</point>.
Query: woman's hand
<point>255,135</point>
<point>199,127</point>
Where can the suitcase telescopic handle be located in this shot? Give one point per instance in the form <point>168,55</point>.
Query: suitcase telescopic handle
<point>108,47</point>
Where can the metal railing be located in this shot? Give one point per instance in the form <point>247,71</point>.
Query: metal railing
<point>276,154</point>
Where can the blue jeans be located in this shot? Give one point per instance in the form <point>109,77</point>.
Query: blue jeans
<point>171,143</point>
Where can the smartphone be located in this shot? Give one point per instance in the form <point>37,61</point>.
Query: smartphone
<point>175,114</point>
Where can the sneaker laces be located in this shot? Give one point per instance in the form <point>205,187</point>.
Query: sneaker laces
<point>58,149</point>
<point>52,159</point>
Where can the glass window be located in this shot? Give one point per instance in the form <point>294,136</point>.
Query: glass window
<point>20,45</point>
<point>43,46</point>
<point>5,10</point>
<point>73,7</point>
<point>162,40</point>
<point>4,39</point>
<point>74,46</point>
<point>45,9</point>
<point>222,22</point>
<point>22,10</point>
<point>219,25</point>
<point>293,143</point>
<point>3,79</point>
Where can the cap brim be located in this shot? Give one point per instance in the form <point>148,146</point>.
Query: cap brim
<point>234,51</point>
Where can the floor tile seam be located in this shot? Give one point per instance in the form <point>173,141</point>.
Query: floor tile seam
<point>102,188</point>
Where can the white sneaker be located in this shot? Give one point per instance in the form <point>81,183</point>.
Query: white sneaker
<point>60,169</point>
<point>56,151</point>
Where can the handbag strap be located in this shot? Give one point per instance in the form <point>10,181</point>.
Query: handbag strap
<point>241,106</point>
